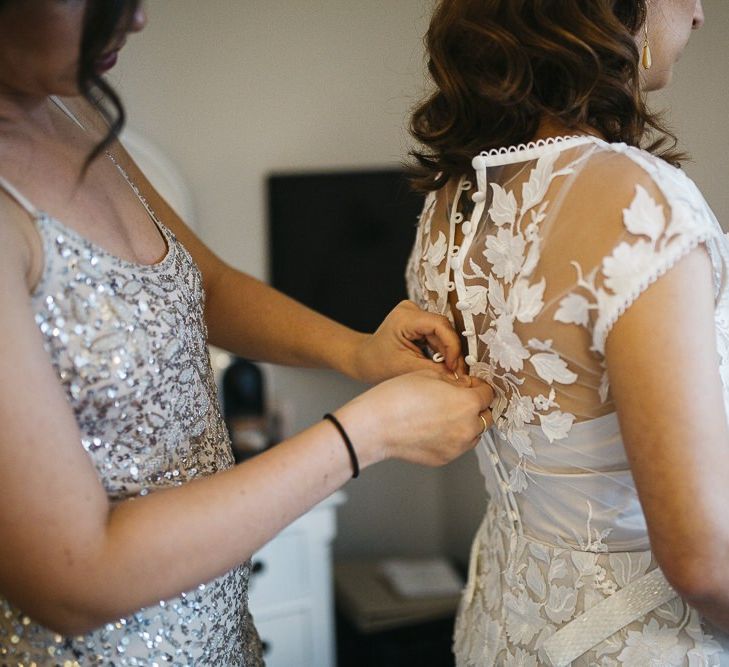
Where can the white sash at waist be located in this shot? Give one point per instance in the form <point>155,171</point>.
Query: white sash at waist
<point>630,603</point>
<point>595,625</point>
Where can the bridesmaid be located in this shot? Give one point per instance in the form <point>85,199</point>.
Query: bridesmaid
<point>125,528</point>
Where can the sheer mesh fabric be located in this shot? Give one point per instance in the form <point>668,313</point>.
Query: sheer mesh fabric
<point>534,256</point>
<point>540,249</point>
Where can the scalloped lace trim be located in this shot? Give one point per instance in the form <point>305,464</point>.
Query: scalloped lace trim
<point>531,145</point>
<point>680,250</point>
<point>529,151</point>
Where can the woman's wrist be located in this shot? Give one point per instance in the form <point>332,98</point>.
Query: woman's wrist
<point>347,443</point>
<point>347,355</point>
<point>363,427</point>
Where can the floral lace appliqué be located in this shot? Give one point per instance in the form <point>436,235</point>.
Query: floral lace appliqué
<point>508,294</point>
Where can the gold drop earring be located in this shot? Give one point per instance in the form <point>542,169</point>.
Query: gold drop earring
<point>646,58</point>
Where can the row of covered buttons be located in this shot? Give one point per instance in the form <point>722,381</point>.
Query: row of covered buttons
<point>501,477</point>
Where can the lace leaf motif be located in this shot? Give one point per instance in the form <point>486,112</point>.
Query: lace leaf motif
<point>512,252</point>
<point>631,266</point>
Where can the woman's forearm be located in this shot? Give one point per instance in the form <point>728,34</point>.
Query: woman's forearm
<point>160,545</point>
<point>251,319</point>
<point>74,561</point>
<point>715,612</point>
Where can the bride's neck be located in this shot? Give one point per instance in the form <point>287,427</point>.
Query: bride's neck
<point>550,127</point>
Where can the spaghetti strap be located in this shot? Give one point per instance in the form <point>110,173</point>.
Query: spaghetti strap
<point>21,199</point>
<point>67,111</point>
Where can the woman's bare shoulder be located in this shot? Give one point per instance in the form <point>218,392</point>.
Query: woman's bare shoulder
<point>19,243</point>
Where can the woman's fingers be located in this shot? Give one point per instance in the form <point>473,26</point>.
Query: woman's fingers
<point>452,357</point>
<point>483,392</point>
<point>442,339</point>
<point>461,367</point>
<point>484,395</point>
<point>431,417</point>
<point>484,422</point>
<point>396,348</point>
<point>436,330</point>
<point>459,376</point>
<point>455,377</point>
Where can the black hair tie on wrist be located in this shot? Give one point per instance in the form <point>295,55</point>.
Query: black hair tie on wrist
<point>347,442</point>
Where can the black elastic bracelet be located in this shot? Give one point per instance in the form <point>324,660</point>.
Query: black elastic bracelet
<point>347,442</point>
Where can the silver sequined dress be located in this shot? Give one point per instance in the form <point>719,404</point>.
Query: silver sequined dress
<point>128,343</point>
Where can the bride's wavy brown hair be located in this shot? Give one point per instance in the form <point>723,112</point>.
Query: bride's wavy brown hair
<point>500,66</point>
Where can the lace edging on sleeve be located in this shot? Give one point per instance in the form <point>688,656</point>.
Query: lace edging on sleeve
<point>652,246</point>
<point>616,305</point>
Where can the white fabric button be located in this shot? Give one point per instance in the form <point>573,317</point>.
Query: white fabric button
<point>470,360</point>
<point>478,197</point>
<point>467,227</point>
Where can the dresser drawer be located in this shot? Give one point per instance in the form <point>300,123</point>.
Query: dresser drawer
<point>290,592</point>
<point>287,639</point>
<point>281,571</point>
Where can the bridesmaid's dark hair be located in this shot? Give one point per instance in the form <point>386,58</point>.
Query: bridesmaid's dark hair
<point>499,66</point>
<point>103,20</point>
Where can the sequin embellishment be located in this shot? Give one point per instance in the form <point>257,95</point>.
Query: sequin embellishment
<point>128,344</point>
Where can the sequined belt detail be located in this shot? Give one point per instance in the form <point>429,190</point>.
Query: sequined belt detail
<point>630,603</point>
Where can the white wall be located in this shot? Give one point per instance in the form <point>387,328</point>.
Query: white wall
<point>233,90</point>
<point>697,106</point>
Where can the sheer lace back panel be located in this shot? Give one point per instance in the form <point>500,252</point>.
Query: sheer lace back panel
<point>534,256</point>
<point>533,259</point>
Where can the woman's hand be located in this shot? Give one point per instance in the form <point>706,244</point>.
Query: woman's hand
<point>424,417</point>
<point>393,349</point>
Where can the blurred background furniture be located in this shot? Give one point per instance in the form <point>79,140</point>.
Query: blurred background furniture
<point>291,596</point>
<point>376,626</point>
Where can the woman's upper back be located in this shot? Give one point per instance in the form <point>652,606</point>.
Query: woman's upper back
<point>535,256</point>
<point>538,253</point>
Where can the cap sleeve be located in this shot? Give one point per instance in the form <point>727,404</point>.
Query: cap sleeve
<point>665,219</point>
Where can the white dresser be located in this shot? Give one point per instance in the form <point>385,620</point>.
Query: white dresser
<point>291,596</point>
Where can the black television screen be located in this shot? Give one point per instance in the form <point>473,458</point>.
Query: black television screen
<point>339,241</point>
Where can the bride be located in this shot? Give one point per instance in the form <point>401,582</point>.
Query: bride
<point>588,278</point>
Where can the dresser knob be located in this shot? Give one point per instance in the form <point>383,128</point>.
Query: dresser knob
<point>265,647</point>
<point>257,567</point>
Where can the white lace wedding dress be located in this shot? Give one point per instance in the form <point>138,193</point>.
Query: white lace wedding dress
<point>534,256</point>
